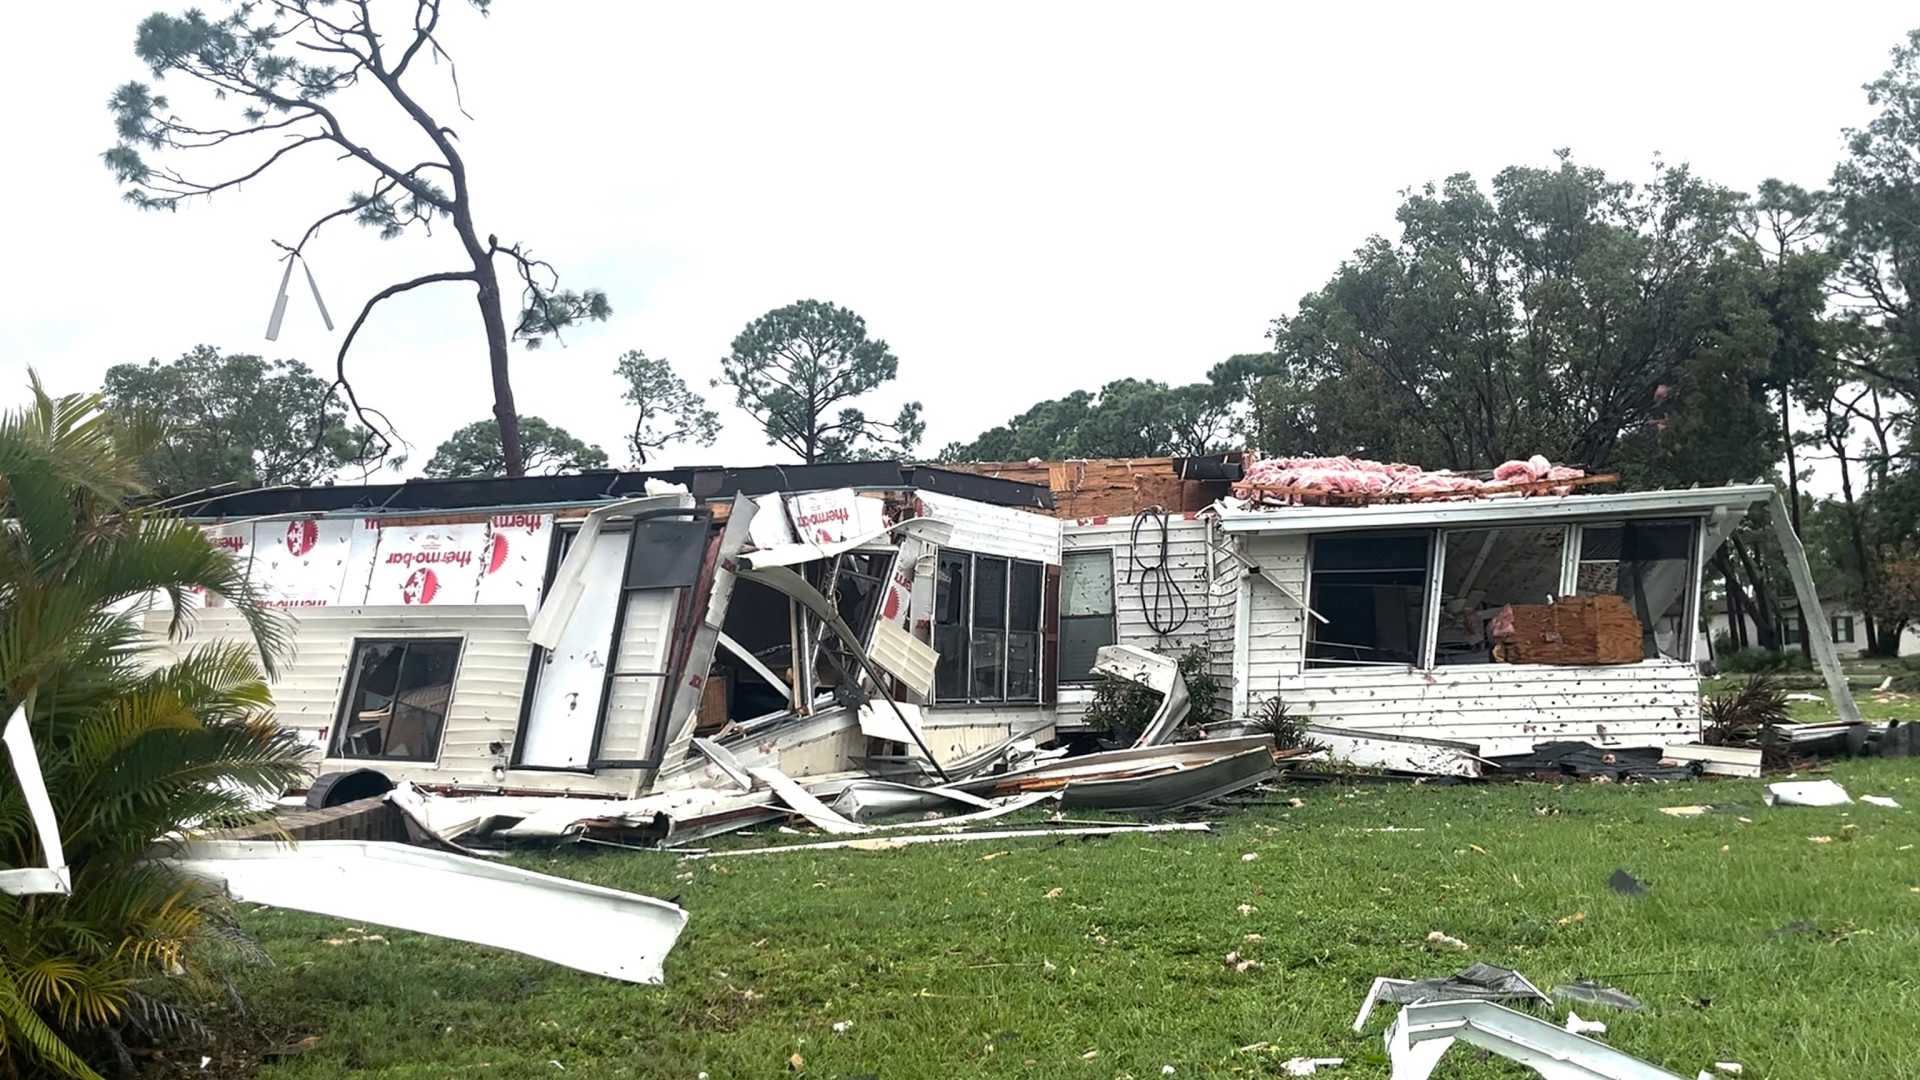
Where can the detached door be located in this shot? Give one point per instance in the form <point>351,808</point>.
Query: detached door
<point>571,680</point>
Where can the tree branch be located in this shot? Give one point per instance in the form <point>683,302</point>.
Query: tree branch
<point>384,431</point>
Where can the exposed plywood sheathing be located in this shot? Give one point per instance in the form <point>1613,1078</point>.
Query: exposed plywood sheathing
<point>1107,486</point>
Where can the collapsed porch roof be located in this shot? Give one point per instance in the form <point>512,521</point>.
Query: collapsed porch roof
<point>1236,518</point>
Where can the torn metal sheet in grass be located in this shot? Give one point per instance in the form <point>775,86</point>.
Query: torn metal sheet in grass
<point>1112,765</point>
<point>1481,982</point>
<point>1807,793</point>
<point>886,843</point>
<point>1588,992</point>
<point>1396,753</point>
<point>1172,789</point>
<point>864,799</point>
<point>620,935</point>
<point>804,803</point>
<point>1423,1032</point>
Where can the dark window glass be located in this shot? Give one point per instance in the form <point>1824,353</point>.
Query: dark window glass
<point>1650,563</point>
<point>1023,666</point>
<point>397,698</point>
<point>988,663</point>
<point>1023,600</point>
<point>1372,591</point>
<point>950,627</point>
<point>989,593</point>
<point>1086,611</point>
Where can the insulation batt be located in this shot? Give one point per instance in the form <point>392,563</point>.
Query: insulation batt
<point>1362,476</point>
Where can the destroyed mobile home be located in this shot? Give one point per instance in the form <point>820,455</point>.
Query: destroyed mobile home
<point>654,659</point>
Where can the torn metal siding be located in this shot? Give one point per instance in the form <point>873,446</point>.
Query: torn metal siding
<point>995,530</point>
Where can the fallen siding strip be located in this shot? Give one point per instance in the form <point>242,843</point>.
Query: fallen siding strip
<point>603,931</point>
<point>803,803</point>
<point>1723,760</point>
<point>885,843</point>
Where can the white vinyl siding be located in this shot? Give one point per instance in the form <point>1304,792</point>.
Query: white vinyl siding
<point>482,717</point>
<point>1502,708</point>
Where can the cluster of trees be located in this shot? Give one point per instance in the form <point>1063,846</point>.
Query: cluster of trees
<point>1128,418</point>
<point>271,84</point>
<point>234,418</point>
<point>1674,331</point>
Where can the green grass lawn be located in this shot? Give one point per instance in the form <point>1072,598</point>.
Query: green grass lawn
<point>1104,958</point>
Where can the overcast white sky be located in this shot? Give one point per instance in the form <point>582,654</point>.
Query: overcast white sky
<point>1023,199</point>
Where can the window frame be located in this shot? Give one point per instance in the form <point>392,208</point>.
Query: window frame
<point>1427,627</point>
<point>1112,616</point>
<point>349,688</point>
<point>1006,631</point>
<point>1834,623</point>
<point>1569,582</point>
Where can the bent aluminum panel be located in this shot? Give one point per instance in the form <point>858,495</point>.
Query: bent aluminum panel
<point>1174,789</point>
<point>53,878</point>
<point>1422,1033</point>
<point>602,931</point>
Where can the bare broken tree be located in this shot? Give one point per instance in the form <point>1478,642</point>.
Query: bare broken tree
<point>281,61</point>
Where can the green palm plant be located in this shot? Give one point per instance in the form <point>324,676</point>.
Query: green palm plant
<point>135,755</point>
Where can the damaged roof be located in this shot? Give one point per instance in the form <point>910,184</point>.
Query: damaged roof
<point>707,483</point>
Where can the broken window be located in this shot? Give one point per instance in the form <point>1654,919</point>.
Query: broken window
<point>1086,611</point>
<point>987,628</point>
<point>1650,563</point>
<point>397,696</point>
<point>1484,570</point>
<point>1371,588</point>
<point>952,594</point>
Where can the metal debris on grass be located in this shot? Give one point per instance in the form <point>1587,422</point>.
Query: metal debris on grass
<point>1588,992</point>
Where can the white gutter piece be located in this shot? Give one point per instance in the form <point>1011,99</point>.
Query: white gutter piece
<point>887,843</point>
<point>601,931</point>
<point>1423,1032</point>
<point>569,581</point>
<point>1161,674</point>
<point>53,878</point>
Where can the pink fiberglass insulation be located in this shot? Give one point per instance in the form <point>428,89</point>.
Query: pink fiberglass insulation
<point>1360,476</point>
